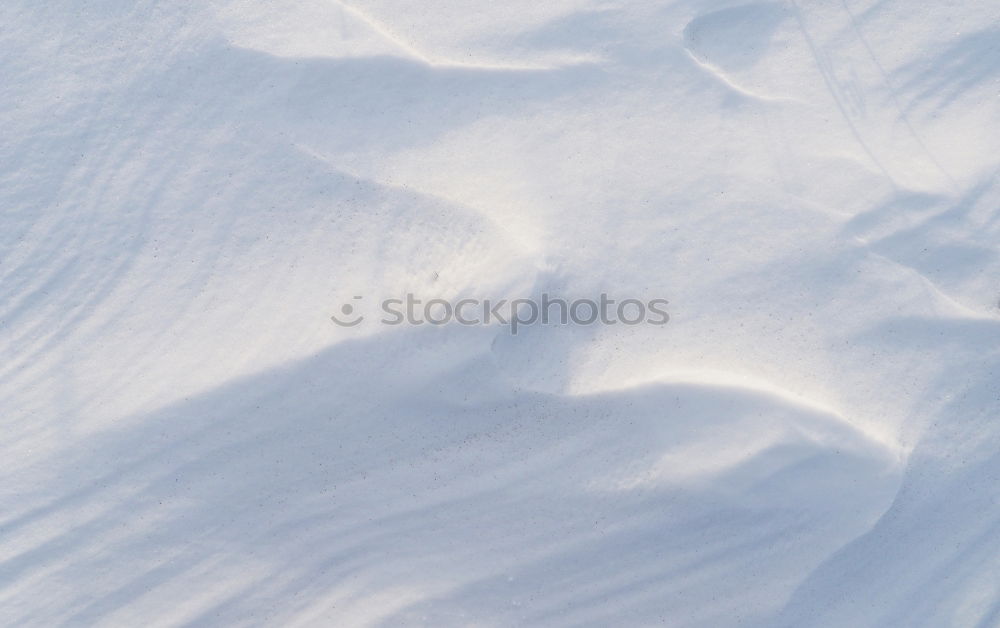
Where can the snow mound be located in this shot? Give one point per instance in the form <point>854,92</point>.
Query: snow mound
<point>190,191</point>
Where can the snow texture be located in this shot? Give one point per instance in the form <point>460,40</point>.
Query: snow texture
<point>189,189</point>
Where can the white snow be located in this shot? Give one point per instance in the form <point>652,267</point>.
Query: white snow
<point>188,191</point>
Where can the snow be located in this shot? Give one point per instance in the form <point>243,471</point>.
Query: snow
<point>189,190</point>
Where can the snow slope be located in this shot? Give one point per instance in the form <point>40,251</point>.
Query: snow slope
<point>189,190</point>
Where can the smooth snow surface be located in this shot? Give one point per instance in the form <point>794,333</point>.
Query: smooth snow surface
<point>189,189</point>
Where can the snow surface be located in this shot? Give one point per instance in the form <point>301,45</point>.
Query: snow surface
<point>189,189</point>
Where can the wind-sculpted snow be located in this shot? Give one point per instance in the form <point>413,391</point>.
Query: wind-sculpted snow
<point>189,190</point>
<point>449,495</point>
